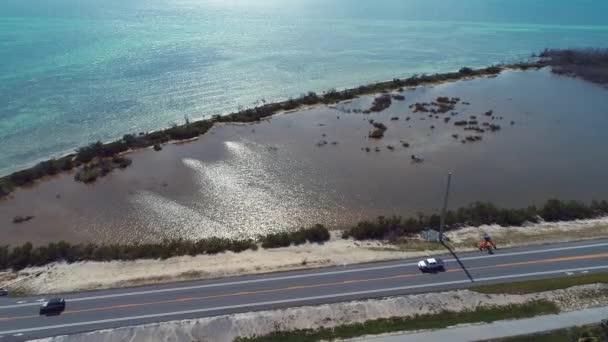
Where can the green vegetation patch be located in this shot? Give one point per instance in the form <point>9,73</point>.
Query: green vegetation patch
<point>100,167</point>
<point>477,214</point>
<point>533,286</point>
<point>588,333</point>
<point>317,234</point>
<point>589,64</point>
<point>419,322</point>
<point>26,255</point>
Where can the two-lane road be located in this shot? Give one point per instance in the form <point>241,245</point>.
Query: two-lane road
<point>19,319</point>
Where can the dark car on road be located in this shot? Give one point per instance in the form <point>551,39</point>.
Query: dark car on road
<point>53,306</point>
<point>3,292</point>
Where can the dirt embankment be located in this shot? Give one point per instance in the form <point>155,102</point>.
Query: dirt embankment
<point>60,277</point>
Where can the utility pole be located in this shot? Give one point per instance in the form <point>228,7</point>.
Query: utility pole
<point>445,206</point>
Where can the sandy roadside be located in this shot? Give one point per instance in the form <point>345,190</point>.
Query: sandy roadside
<point>228,327</point>
<point>61,277</point>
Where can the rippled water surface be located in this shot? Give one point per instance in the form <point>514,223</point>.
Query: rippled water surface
<point>244,180</point>
<point>76,71</point>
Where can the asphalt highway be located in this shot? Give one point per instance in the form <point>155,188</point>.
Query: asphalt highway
<point>87,311</point>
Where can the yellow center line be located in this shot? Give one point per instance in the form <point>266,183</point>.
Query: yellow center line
<point>541,261</point>
<point>299,287</point>
<point>188,299</point>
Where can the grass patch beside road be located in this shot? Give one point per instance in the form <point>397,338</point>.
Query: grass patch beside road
<point>589,333</point>
<point>434,321</point>
<point>532,286</point>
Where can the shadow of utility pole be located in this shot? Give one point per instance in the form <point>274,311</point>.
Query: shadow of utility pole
<point>458,260</point>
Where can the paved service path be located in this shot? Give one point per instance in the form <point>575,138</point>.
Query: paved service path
<point>503,329</point>
<point>87,311</point>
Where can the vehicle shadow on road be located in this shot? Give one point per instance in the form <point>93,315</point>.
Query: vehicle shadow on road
<point>458,260</point>
<point>51,314</point>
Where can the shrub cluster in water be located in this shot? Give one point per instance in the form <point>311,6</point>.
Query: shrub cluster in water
<point>101,167</point>
<point>475,215</point>
<point>381,103</point>
<point>316,234</point>
<point>19,257</point>
<point>105,156</point>
<point>589,64</point>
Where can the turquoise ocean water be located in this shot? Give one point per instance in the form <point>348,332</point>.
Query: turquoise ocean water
<point>76,71</point>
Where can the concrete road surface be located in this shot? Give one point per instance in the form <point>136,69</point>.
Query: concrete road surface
<point>19,319</point>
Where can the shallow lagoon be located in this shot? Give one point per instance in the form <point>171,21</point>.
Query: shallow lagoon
<point>243,180</point>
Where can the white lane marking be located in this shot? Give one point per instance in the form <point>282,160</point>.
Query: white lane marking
<point>293,300</point>
<point>22,302</point>
<point>306,275</point>
<point>539,273</point>
<point>534,251</point>
<point>17,335</point>
<point>40,300</point>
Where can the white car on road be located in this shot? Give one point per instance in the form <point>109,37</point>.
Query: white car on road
<point>431,265</point>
